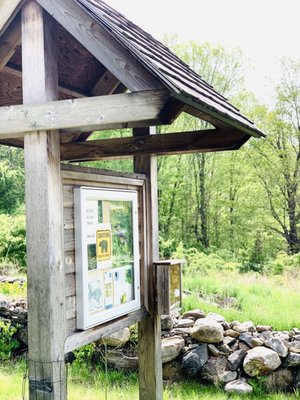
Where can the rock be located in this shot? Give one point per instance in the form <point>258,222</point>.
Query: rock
<point>172,371</point>
<point>224,348</point>
<point>166,323</point>
<point>185,323</point>
<point>194,313</point>
<point>256,342</point>
<point>278,346</point>
<point>294,349</point>
<point>265,335</point>
<point>214,369</point>
<point>231,333</point>
<point>228,340</point>
<point>292,360</point>
<point>263,328</point>
<point>181,331</point>
<point>296,383</point>
<point>118,360</point>
<point>228,376</point>
<point>207,330</point>
<point>246,338</point>
<point>235,360</point>
<point>247,326</point>
<point>216,317</point>
<point>261,361</point>
<point>243,346</point>
<point>278,381</point>
<point>194,360</point>
<point>239,386</point>
<point>117,339</point>
<point>214,351</point>
<point>171,348</point>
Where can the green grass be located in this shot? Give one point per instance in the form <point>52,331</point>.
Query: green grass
<point>264,300</point>
<point>94,388</point>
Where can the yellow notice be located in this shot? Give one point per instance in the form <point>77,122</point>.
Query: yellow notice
<point>103,244</point>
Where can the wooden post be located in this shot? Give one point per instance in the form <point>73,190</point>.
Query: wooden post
<point>46,292</point>
<point>150,364</point>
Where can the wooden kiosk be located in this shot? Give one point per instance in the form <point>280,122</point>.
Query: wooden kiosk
<point>68,68</point>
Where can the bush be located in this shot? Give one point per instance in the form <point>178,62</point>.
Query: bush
<point>13,240</point>
<point>7,341</point>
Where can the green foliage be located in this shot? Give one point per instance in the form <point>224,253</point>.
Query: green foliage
<point>7,341</point>
<point>13,289</point>
<point>13,240</point>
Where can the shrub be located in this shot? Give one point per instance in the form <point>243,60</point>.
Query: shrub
<point>7,341</point>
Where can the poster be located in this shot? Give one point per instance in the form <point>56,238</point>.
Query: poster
<point>107,254</point>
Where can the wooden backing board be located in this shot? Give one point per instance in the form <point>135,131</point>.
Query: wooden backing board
<point>74,176</point>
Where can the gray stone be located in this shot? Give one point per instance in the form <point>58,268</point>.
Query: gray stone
<point>116,359</point>
<point>228,376</point>
<point>117,339</point>
<point>235,360</point>
<point>265,335</point>
<point>277,345</point>
<point>216,317</point>
<point>278,381</point>
<point>214,351</point>
<point>228,340</point>
<point>185,323</point>
<point>292,360</point>
<point>171,348</point>
<point>214,369</point>
<point>194,313</point>
<point>166,323</point>
<point>181,331</point>
<point>261,361</point>
<point>246,338</point>
<point>224,348</point>
<point>194,360</point>
<point>239,387</point>
<point>207,330</point>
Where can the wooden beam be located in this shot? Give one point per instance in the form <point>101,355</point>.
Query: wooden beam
<point>46,275</point>
<point>9,41</point>
<point>101,44</point>
<point>67,91</point>
<point>8,10</point>
<point>149,330</point>
<point>83,115</point>
<point>107,84</point>
<point>164,144</point>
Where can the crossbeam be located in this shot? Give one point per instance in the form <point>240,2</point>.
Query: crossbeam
<point>164,144</point>
<point>84,115</point>
<point>9,41</point>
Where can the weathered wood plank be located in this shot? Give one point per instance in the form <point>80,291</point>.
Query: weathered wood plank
<point>107,84</point>
<point>91,335</point>
<point>9,41</point>
<point>85,114</point>
<point>165,144</point>
<point>150,365</point>
<point>101,44</point>
<point>8,9</point>
<point>46,289</point>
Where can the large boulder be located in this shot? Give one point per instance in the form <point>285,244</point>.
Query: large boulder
<point>261,361</point>
<point>207,330</point>
<point>171,348</point>
<point>194,360</point>
<point>278,381</point>
<point>117,339</point>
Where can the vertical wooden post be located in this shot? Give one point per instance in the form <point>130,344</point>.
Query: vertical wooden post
<point>46,294</point>
<point>150,364</point>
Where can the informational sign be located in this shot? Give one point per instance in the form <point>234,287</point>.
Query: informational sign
<point>107,255</point>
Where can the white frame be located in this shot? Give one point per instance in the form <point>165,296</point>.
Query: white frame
<point>85,319</point>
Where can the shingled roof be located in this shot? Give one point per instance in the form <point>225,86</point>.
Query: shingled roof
<point>185,84</point>
<point>102,53</point>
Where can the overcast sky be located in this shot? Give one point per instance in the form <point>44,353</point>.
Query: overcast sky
<point>265,29</point>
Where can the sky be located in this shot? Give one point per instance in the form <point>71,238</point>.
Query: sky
<point>266,30</point>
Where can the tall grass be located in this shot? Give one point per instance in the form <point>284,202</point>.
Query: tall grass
<point>264,300</point>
